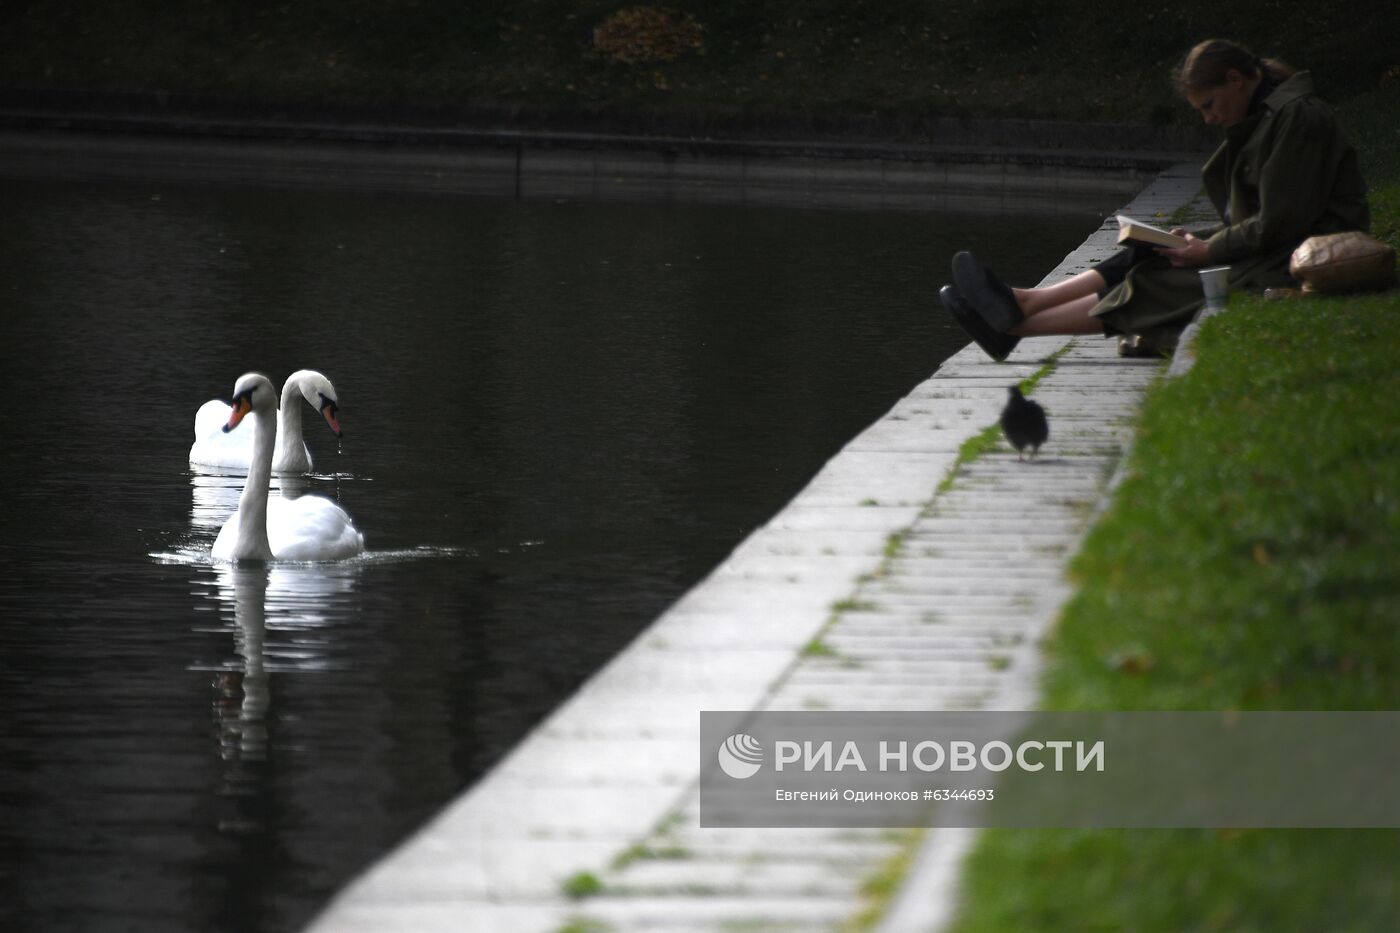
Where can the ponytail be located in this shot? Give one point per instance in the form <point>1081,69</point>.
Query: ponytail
<point>1206,65</point>
<point>1275,70</point>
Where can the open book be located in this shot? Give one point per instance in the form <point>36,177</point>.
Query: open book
<point>1135,231</point>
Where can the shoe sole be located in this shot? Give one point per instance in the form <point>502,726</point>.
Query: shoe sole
<point>997,346</point>
<point>985,293</point>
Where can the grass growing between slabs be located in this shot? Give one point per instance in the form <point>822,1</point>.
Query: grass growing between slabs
<point>1250,561</point>
<point>990,437</point>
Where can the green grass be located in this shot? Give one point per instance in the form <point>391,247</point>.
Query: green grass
<point>878,889</point>
<point>1373,121</point>
<point>586,925</point>
<point>989,438</point>
<point>1249,561</point>
<point>1178,880</point>
<point>978,445</point>
<point>894,545</point>
<point>1252,554</point>
<point>581,885</point>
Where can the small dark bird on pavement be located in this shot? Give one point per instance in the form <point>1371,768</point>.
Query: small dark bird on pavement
<point>1023,422</point>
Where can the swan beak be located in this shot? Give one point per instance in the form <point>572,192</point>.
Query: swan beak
<point>328,412</point>
<point>241,407</point>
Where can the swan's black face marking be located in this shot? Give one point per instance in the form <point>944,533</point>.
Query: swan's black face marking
<point>328,410</point>
<point>242,404</point>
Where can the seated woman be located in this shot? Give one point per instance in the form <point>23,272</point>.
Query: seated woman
<point>1285,172</point>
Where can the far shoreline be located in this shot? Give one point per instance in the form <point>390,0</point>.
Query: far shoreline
<point>185,114</point>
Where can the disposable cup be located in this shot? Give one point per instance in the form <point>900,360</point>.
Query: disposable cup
<point>1215,281</point>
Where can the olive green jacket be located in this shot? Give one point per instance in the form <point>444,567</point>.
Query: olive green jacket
<point>1284,173</point>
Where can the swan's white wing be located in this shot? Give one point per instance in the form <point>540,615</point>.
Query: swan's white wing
<point>212,447</point>
<point>311,528</point>
<point>211,418</point>
<point>228,537</point>
<point>234,450</point>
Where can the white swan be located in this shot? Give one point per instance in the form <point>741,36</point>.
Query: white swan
<point>302,529</point>
<point>213,446</point>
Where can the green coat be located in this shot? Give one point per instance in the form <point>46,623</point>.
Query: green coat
<point>1284,173</point>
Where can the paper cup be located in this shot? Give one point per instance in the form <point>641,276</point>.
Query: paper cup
<point>1215,281</point>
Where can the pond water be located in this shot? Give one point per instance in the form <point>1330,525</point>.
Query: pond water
<point>558,417</point>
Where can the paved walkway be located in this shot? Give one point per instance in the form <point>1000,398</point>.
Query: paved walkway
<point>873,590</point>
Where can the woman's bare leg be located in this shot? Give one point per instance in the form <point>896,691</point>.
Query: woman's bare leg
<point>1037,300</point>
<point>1071,317</point>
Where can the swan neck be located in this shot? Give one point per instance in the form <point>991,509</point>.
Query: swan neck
<point>252,503</point>
<point>289,413</point>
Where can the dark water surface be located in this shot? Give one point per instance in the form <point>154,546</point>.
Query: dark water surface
<point>558,418</point>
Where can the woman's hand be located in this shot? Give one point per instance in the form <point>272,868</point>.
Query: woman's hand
<point>1195,253</point>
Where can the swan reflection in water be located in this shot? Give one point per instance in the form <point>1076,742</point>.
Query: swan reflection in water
<point>215,498</point>
<point>282,619</point>
<point>216,491</point>
<point>286,619</point>
<point>242,721</point>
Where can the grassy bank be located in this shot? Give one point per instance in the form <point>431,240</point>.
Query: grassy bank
<point>1250,561</point>
<point>884,66</point>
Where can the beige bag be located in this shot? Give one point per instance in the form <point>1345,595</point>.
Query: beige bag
<point>1343,262</point>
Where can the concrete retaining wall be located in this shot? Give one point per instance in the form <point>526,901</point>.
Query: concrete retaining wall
<point>1020,166</point>
<point>605,788</point>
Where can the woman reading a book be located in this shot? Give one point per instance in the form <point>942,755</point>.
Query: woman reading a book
<point>1285,172</point>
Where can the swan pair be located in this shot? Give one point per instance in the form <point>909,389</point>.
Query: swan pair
<point>308,528</point>
<point>214,446</point>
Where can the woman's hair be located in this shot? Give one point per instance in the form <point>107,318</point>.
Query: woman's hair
<point>1206,65</point>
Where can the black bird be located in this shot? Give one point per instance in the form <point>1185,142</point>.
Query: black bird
<point>1023,422</point>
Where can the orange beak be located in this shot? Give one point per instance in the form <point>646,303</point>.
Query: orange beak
<point>328,412</point>
<point>241,407</point>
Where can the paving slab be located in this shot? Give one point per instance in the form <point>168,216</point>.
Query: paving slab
<point>925,595</point>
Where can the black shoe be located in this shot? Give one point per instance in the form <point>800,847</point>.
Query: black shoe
<point>989,295</point>
<point>997,346</point>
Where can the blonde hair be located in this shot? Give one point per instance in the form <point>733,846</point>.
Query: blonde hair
<point>1206,65</point>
